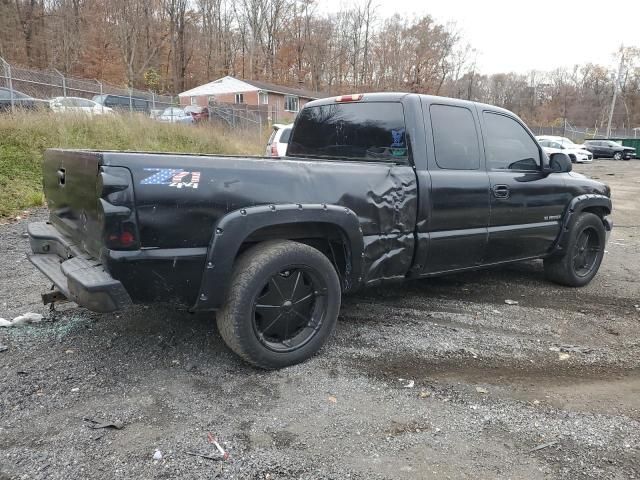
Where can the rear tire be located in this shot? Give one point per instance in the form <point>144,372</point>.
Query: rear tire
<point>583,255</point>
<point>282,306</point>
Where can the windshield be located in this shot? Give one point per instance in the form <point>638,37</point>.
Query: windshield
<point>5,93</point>
<point>284,137</point>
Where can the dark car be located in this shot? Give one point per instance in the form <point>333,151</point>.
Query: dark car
<point>198,113</point>
<point>124,103</point>
<point>609,149</point>
<point>21,101</point>
<point>374,188</point>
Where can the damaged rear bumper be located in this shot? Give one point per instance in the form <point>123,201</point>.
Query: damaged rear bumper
<point>79,277</point>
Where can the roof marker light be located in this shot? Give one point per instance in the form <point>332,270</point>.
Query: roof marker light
<point>349,98</point>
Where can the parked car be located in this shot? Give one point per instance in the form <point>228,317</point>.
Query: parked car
<point>564,141</point>
<point>21,101</point>
<point>78,105</point>
<point>576,154</point>
<point>123,103</point>
<point>271,245</point>
<point>198,113</point>
<point>175,115</point>
<point>278,141</point>
<point>609,149</point>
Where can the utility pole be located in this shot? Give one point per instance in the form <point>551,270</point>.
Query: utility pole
<point>616,85</point>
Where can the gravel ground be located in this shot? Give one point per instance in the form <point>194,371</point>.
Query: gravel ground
<point>548,388</point>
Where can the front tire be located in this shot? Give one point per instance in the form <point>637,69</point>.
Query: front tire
<point>617,156</point>
<point>282,306</point>
<point>583,255</point>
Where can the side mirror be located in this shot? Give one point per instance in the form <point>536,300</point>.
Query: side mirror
<point>560,163</point>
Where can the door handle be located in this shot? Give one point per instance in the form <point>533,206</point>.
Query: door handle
<point>500,191</point>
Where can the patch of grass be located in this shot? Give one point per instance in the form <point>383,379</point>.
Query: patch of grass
<point>25,136</point>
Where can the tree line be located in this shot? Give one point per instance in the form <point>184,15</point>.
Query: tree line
<point>171,45</point>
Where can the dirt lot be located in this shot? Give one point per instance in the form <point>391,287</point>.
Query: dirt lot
<point>548,388</point>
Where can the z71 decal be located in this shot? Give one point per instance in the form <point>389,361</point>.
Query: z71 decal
<point>172,177</point>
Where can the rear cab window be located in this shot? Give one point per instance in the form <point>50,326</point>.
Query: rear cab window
<point>455,138</point>
<point>365,131</point>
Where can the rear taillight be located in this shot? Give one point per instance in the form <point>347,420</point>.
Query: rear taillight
<point>115,209</point>
<point>124,239</point>
<point>274,150</point>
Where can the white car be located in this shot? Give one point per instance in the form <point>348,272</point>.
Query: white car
<point>77,105</point>
<point>279,140</point>
<point>577,153</point>
<point>175,115</point>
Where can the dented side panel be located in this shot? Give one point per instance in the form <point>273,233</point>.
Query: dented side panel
<point>180,198</point>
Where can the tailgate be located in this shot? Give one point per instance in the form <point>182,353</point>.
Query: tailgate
<point>90,203</point>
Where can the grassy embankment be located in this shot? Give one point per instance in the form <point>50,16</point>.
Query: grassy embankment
<point>25,136</point>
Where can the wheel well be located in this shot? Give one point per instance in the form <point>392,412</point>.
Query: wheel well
<point>599,211</point>
<point>328,238</point>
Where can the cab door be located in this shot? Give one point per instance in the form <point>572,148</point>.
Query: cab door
<point>526,204</point>
<point>459,194</point>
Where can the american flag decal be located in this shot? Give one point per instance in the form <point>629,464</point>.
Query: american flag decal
<point>172,177</point>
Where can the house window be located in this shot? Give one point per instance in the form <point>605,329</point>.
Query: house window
<point>291,103</point>
<point>239,98</point>
<point>212,99</point>
<point>263,98</point>
<point>194,100</point>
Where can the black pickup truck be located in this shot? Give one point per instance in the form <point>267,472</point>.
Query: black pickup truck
<point>374,188</point>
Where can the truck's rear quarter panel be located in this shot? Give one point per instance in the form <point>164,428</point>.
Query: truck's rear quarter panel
<point>181,214</point>
<point>178,199</point>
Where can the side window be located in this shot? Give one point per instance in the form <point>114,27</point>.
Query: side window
<point>508,146</point>
<point>455,138</point>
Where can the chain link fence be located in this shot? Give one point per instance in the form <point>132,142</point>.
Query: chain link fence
<point>579,134</point>
<point>44,85</point>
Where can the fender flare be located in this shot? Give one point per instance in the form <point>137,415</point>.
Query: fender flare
<point>573,210</point>
<point>235,227</point>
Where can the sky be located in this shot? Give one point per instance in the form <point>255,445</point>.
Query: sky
<point>519,36</point>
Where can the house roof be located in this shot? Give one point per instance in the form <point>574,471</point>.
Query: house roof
<point>300,92</point>
<point>230,84</point>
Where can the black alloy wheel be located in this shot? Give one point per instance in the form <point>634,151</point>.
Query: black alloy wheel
<point>580,260</point>
<point>586,251</point>
<point>290,309</point>
<point>282,304</point>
